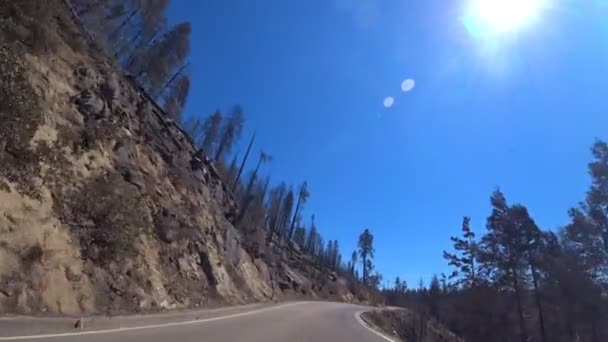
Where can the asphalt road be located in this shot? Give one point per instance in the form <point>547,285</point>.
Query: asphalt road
<point>290,322</point>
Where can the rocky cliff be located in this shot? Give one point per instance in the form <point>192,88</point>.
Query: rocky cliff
<point>105,205</point>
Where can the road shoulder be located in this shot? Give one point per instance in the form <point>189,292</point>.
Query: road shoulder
<point>19,326</point>
<point>364,319</point>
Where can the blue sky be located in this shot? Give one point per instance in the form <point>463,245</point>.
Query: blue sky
<point>517,110</point>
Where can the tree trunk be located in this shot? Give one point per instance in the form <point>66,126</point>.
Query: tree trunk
<point>594,334</point>
<point>520,312</point>
<point>473,273</point>
<point>170,81</point>
<point>569,322</point>
<point>277,213</point>
<point>89,8</point>
<point>191,128</point>
<point>253,178</point>
<point>220,150</point>
<point>295,215</point>
<point>605,238</point>
<point>273,217</point>
<point>539,307</point>
<point>265,189</point>
<point>364,268</point>
<point>131,60</point>
<point>136,37</point>
<point>238,175</point>
<point>248,197</point>
<point>113,35</point>
<point>242,212</point>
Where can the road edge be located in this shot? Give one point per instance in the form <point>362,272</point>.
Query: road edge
<point>372,327</point>
<point>147,326</point>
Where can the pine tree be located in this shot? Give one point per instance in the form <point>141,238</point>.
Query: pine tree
<point>353,262</point>
<point>231,131</point>
<point>565,274</point>
<point>328,253</point>
<point>503,253</point>
<point>232,170</point>
<point>303,195</point>
<point>373,278</point>
<point>264,158</point>
<point>176,98</point>
<point>136,34</point>
<point>338,264</point>
<point>569,282</point>
<point>531,245</point>
<point>168,54</point>
<point>273,209</point>
<point>366,251</point>
<point>434,296</point>
<point>299,236</point>
<point>193,126</point>
<point>319,249</point>
<point>597,196</point>
<point>136,47</point>
<point>285,214</point>
<point>336,258</point>
<point>211,133</point>
<point>311,239</point>
<point>589,228</point>
<point>464,259</point>
<point>265,190</point>
<point>400,285</point>
<point>247,196</point>
<point>240,171</point>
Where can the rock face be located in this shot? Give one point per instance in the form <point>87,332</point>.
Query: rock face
<point>105,205</point>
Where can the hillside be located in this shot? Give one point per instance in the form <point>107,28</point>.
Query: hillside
<point>410,326</point>
<point>105,204</point>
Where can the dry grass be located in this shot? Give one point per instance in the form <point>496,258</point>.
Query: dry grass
<point>107,214</point>
<point>409,326</point>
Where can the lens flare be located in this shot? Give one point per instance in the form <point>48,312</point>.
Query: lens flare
<point>388,102</point>
<point>500,16</point>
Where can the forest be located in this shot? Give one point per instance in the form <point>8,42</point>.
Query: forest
<point>518,282</point>
<point>513,281</point>
<point>156,54</point>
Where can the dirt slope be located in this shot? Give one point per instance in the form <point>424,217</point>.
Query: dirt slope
<point>103,205</point>
<point>410,326</point>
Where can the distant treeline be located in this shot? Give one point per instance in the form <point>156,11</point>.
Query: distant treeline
<point>517,282</point>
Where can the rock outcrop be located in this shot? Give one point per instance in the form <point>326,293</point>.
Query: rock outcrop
<point>105,204</point>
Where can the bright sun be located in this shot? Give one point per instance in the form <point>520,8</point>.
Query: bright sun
<point>500,16</point>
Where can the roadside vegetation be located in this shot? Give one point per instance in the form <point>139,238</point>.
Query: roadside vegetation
<point>519,282</point>
<point>410,326</point>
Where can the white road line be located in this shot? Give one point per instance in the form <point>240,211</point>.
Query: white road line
<point>363,323</point>
<point>143,327</point>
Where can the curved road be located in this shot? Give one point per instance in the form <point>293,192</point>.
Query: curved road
<point>290,322</point>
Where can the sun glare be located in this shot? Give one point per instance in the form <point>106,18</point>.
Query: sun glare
<point>500,16</point>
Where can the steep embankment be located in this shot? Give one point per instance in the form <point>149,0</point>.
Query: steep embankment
<point>104,206</point>
<point>410,326</point>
